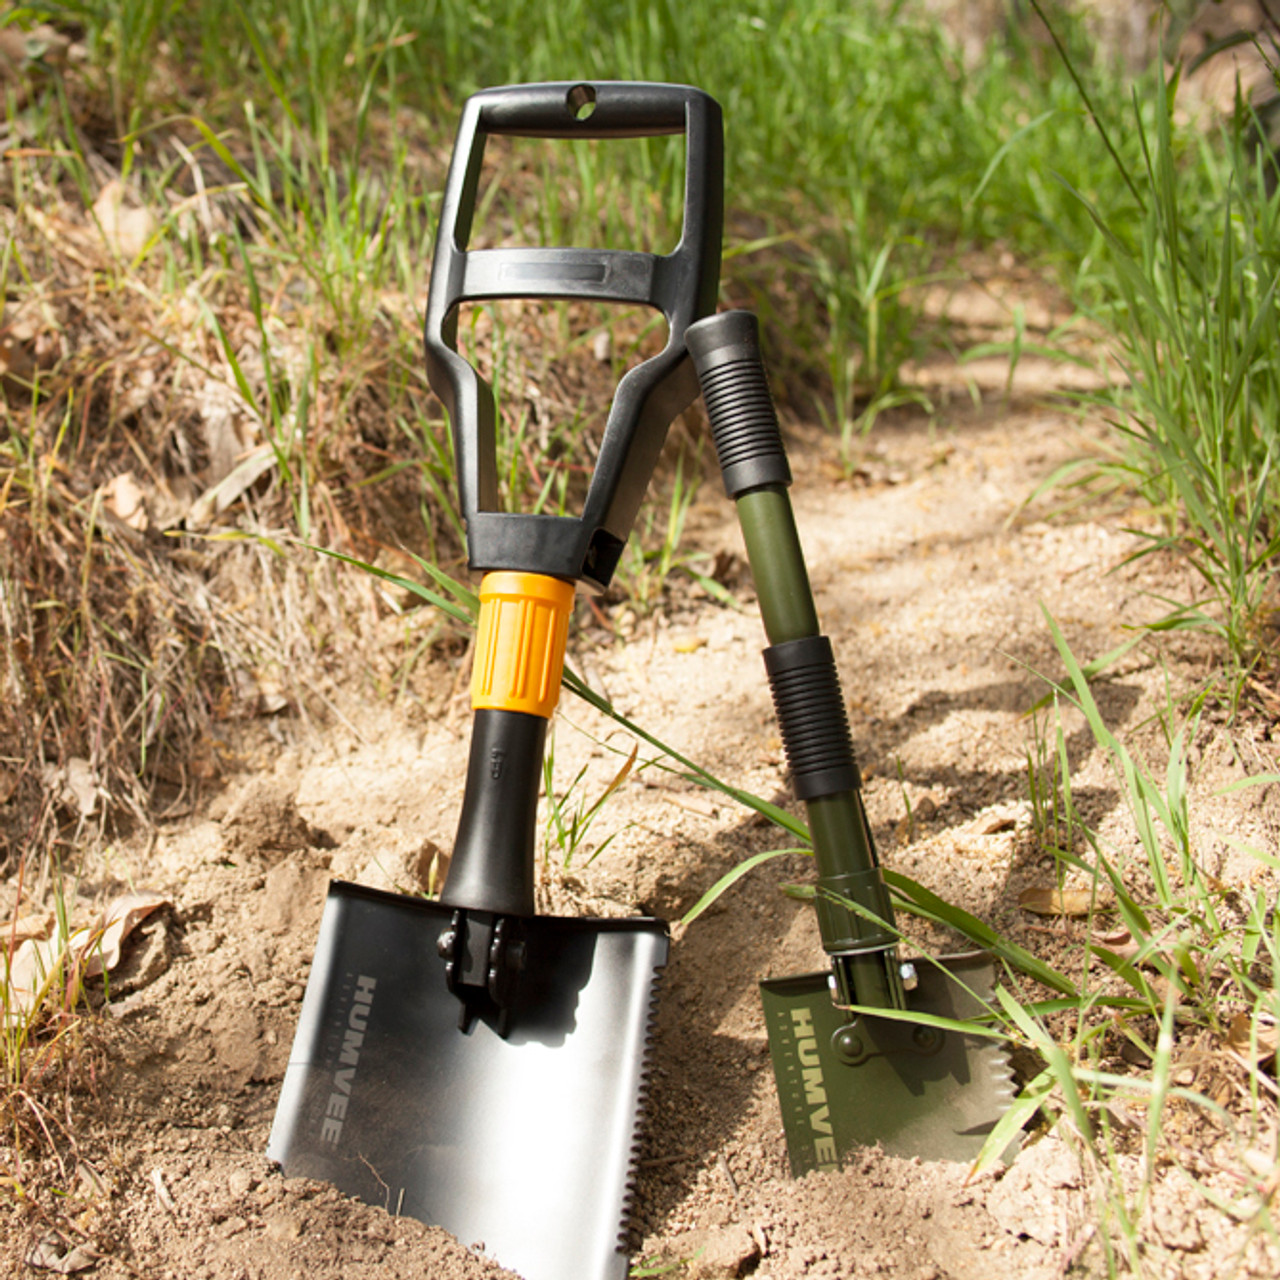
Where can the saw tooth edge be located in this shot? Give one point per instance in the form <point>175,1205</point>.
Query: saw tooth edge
<point>630,1191</point>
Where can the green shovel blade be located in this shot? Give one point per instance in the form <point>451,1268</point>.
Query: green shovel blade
<point>909,1088</point>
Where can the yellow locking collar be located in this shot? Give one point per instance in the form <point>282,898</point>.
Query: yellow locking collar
<point>524,623</point>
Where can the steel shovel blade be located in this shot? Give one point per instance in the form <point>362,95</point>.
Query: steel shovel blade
<point>521,1144</point>
<point>910,1088</point>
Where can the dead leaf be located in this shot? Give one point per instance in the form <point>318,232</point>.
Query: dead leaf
<point>218,498</point>
<point>53,1254</point>
<point>26,58</point>
<point>95,950</point>
<point>38,924</point>
<point>1119,942</point>
<point>119,920</point>
<point>995,824</point>
<point>998,820</point>
<point>20,48</point>
<point>1255,1041</point>
<point>271,698</point>
<point>17,363</point>
<point>76,784</point>
<point>1115,938</point>
<point>124,498</point>
<point>1061,902</point>
<point>1166,991</point>
<point>82,783</point>
<point>125,230</point>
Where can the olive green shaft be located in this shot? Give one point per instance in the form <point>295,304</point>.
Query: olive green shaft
<point>859,938</point>
<point>777,564</point>
<point>841,835</point>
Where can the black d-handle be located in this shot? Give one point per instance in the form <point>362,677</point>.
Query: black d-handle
<point>682,285</point>
<point>611,109</point>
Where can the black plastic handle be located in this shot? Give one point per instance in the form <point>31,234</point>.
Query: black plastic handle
<point>612,109</point>
<point>682,285</point>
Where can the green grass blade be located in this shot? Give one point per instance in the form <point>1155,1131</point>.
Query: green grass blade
<point>731,877</point>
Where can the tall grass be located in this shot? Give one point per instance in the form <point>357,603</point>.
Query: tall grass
<point>1184,280</point>
<point>861,146</point>
<point>1191,306</point>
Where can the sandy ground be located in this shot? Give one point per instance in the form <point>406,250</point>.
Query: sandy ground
<point>931,586</point>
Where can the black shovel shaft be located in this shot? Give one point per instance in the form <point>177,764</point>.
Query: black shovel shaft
<point>515,684</point>
<point>491,868</point>
<point>800,663</point>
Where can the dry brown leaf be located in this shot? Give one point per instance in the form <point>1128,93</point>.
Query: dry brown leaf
<point>1113,938</point>
<point>124,498</point>
<point>55,1254</point>
<point>19,48</point>
<point>13,49</point>
<point>1254,1041</point>
<point>39,924</point>
<point>1119,942</point>
<point>17,363</point>
<point>998,821</point>
<point>76,784</point>
<point>271,697</point>
<point>1165,990</point>
<point>1061,902</point>
<point>125,230</point>
<point>119,920</point>
<point>26,58</point>
<point>95,950</point>
<point>995,825</point>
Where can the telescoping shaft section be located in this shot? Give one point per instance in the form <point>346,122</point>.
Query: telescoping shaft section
<point>860,938</point>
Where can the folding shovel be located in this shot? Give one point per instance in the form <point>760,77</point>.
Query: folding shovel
<point>468,1062</point>
<point>856,1057</point>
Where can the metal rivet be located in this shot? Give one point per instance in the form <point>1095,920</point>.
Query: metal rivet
<point>926,1039</point>
<point>848,1045</point>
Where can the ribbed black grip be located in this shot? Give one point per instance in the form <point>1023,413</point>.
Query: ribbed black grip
<point>726,353</point>
<point>812,717</point>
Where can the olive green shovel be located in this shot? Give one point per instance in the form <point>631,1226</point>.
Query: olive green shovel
<point>847,1076</point>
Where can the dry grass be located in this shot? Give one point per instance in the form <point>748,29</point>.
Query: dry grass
<point>189,393</point>
<point>130,446</point>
